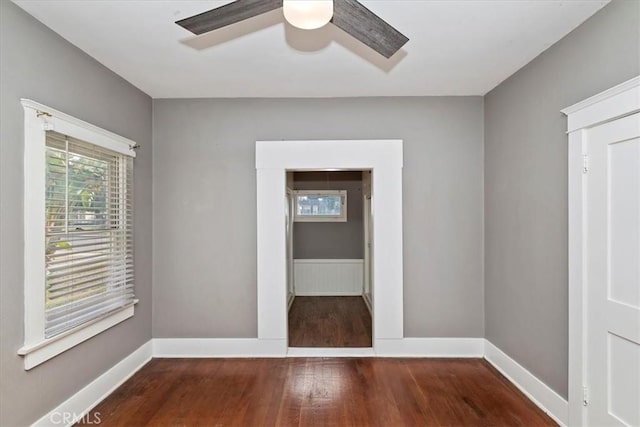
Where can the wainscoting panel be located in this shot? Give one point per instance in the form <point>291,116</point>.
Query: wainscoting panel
<point>328,277</point>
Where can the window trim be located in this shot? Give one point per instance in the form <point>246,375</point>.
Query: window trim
<point>39,118</point>
<point>320,218</point>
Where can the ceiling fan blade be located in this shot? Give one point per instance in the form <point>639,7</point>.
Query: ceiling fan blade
<point>355,19</point>
<point>228,14</point>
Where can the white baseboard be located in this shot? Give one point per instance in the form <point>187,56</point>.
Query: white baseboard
<point>330,352</point>
<point>74,408</point>
<point>218,347</point>
<point>329,293</point>
<point>538,392</point>
<point>368,302</point>
<point>86,399</point>
<point>253,347</point>
<point>430,347</point>
<point>290,299</point>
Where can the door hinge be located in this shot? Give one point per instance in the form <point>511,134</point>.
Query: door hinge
<point>585,396</point>
<point>585,163</point>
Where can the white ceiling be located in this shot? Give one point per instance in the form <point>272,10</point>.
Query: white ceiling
<point>456,47</point>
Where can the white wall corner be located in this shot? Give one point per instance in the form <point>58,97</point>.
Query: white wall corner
<point>74,408</point>
<point>538,392</point>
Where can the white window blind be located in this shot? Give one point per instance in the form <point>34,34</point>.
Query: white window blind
<point>88,232</point>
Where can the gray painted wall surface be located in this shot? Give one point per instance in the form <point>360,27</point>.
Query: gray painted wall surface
<point>35,63</point>
<point>331,240</point>
<point>526,186</point>
<point>205,205</point>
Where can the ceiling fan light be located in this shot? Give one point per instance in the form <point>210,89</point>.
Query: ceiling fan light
<point>308,14</point>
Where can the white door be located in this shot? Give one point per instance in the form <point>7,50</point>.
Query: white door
<point>613,273</point>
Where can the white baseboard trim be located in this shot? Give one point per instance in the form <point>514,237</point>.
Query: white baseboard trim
<point>218,347</point>
<point>329,294</point>
<point>368,302</point>
<point>330,352</point>
<point>430,347</point>
<point>74,408</point>
<point>290,299</point>
<point>86,399</point>
<point>253,347</point>
<point>538,392</point>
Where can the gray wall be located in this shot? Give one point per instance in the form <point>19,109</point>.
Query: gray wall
<point>331,240</point>
<point>38,64</point>
<point>526,186</point>
<point>205,205</point>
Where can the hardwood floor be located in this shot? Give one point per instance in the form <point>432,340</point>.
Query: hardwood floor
<point>318,392</point>
<point>329,322</point>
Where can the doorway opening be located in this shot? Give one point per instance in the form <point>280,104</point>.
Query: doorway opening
<point>329,251</point>
<point>384,159</point>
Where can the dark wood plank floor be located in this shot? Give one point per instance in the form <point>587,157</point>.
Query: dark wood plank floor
<point>329,322</point>
<point>318,392</point>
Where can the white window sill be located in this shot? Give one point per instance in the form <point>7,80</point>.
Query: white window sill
<point>41,352</point>
<point>318,218</point>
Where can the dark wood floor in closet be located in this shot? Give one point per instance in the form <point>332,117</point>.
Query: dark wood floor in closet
<point>329,322</point>
<point>318,392</point>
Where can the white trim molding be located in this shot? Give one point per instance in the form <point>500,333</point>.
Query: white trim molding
<point>218,347</point>
<point>619,101</point>
<point>77,406</point>
<point>538,392</point>
<point>430,347</point>
<point>63,123</point>
<point>38,119</point>
<point>384,159</point>
<point>48,348</point>
<point>84,400</point>
<point>367,300</point>
<point>330,352</point>
<point>253,347</point>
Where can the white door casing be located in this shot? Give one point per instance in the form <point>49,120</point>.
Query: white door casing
<point>289,247</point>
<point>613,273</point>
<point>604,322</point>
<point>367,290</point>
<point>367,194</point>
<point>384,158</point>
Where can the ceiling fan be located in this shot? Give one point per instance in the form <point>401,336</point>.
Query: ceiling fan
<point>348,15</point>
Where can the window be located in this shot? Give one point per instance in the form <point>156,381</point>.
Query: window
<point>319,206</point>
<point>78,232</point>
<point>88,232</point>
